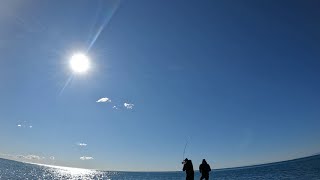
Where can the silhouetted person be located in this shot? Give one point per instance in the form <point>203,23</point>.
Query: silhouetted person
<point>204,169</point>
<point>188,167</point>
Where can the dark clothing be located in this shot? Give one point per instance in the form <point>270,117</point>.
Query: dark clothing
<point>188,167</point>
<point>204,169</point>
<point>206,177</point>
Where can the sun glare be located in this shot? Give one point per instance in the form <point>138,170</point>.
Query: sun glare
<point>79,63</point>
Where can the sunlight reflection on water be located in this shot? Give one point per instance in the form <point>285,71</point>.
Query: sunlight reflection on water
<point>71,173</point>
<point>60,172</point>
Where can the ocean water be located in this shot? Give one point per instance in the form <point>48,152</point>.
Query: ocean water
<point>301,169</point>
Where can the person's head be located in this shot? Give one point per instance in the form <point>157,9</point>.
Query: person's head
<point>185,161</point>
<point>204,161</point>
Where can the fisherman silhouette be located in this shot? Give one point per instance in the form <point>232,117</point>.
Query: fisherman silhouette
<point>188,167</point>
<point>204,169</point>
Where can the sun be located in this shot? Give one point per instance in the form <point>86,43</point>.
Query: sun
<point>79,63</point>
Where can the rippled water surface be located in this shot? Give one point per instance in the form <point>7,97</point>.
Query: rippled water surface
<point>306,168</point>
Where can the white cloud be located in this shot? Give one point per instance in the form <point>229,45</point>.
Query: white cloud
<point>7,155</point>
<point>115,107</point>
<point>103,100</point>
<point>24,124</point>
<point>30,157</point>
<point>20,156</point>
<point>128,106</point>
<point>82,144</point>
<point>86,158</point>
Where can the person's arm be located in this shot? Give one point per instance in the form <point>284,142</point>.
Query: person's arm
<point>184,167</point>
<point>200,168</point>
<point>209,167</point>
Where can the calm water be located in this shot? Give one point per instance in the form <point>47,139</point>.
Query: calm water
<point>306,168</point>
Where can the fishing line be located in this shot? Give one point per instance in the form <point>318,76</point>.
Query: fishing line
<point>185,147</point>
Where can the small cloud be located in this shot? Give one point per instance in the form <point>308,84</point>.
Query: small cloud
<point>103,100</point>
<point>115,107</point>
<point>82,144</point>
<point>24,124</point>
<point>86,158</point>
<point>20,156</point>
<point>33,157</point>
<point>29,157</point>
<point>128,106</point>
<point>7,155</point>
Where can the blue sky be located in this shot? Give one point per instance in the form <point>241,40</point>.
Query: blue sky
<point>238,80</point>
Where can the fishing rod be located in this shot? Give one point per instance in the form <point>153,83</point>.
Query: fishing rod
<point>185,147</point>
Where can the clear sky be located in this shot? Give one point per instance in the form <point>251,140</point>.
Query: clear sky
<point>238,80</point>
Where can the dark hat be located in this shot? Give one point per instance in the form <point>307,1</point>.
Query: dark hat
<point>186,159</point>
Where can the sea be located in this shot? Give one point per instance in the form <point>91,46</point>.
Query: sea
<point>307,168</point>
